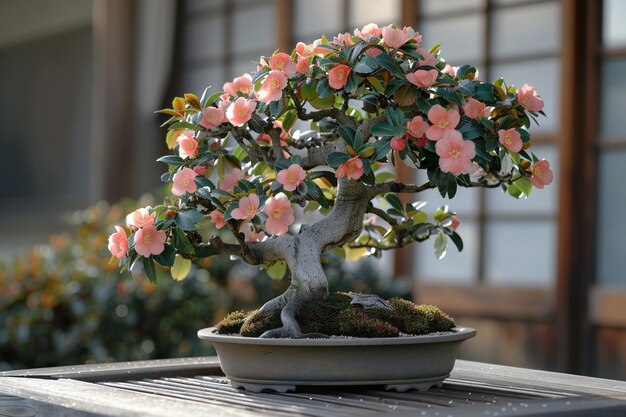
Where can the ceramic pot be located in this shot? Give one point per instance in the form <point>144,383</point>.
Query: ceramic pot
<point>396,363</point>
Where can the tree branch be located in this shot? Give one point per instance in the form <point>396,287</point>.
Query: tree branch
<point>278,150</point>
<point>382,214</point>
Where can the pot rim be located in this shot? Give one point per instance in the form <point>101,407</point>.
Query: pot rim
<point>456,334</point>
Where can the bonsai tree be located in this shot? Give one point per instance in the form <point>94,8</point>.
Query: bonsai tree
<point>362,104</point>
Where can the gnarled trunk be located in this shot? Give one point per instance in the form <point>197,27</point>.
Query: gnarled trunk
<point>302,254</point>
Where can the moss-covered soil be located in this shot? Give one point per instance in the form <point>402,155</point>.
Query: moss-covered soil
<point>335,316</point>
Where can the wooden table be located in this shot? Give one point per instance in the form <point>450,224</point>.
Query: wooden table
<point>196,387</point>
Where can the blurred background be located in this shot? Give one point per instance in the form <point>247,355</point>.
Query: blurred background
<point>541,279</point>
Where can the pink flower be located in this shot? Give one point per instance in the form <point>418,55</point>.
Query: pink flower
<point>291,177</point>
<point>272,87</point>
<point>510,139</point>
<point>241,84</point>
<point>149,241</point>
<point>443,121</point>
<point>240,111</point>
<point>394,38</point>
<point>473,108</point>
<point>423,78</point>
<point>140,218</point>
<point>184,182</point>
<point>230,179</point>
<point>450,70</point>
<point>343,39</point>
<point>373,52</point>
<point>250,234</point>
<point>279,214</point>
<point>317,43</point>
<point>529,99</point>
<point>302,67</point>
<point>187,145</point>
<point>200,170</point>
<point>212,117</point>
<point>247,209</point>
<point>417,126</point>
<point>283,63</point>
<point>352,168</point>
<point>217,217</point>
<point>303,50</point>
<point>371,29</point>
<point>429,59</point>
<point>455,154</point>
<point>338,76</point>
<point>398,143</point>
<point>541,174</point>
<point>118,243</point>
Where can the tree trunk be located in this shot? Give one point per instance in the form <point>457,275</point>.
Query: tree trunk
<point>302,254</point>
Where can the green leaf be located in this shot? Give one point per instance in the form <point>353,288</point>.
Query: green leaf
<point>182,243</point>
<point>382,147</point>
<point>456,239</point>
<point>282,163</point>
<point>337,158</point>
<point>259,75</point>
<point>277,270</point>
<point>351,83</point>
<point>464,71</point>
<point>347,134</point>
<point>188,219</point>
<point>485,92</point>
<point>395,202</point>
<point>441,245</point>
<point>514,191</point>
<point>411,51</point>
<point>466,87</point>
<point>276,108</point>
<point>184,125</point>
<point>203,182</point>
<point>149,269</point>
<point>419,216</point>
<point>447,185</point>
<point>212,98</point>
<point>395,117</point>
<point>525,185</point>
<point>308,90</point>
<point>166,258</point>
<point>171,160</point>
<point>387,130</point>
<point>323,88</point>
<point>289,119</point>
<point>317,194</point>
<point>384,176</point>
<point>366,65</point>
<point>239,153</point>
<point>450,95</point>
<point>181,268</point>
<point>388,63</point>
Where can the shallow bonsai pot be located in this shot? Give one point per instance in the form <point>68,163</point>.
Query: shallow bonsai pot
<point>397,363</point>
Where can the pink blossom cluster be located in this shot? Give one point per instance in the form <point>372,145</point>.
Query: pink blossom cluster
<point>148,240</point>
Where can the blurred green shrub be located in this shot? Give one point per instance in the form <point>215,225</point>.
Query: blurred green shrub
<point>63,303</point>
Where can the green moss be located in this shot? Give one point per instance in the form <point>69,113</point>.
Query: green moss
<point>231,324</point>
<point>334,315</point>
<point>357,322</point>
<point>258,323</point>
<point>323,317</point>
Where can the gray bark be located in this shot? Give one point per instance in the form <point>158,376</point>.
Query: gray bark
<point>302,254</point>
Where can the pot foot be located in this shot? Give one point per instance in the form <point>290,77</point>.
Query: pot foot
<point>419,386</point>
<point>262,387</point>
